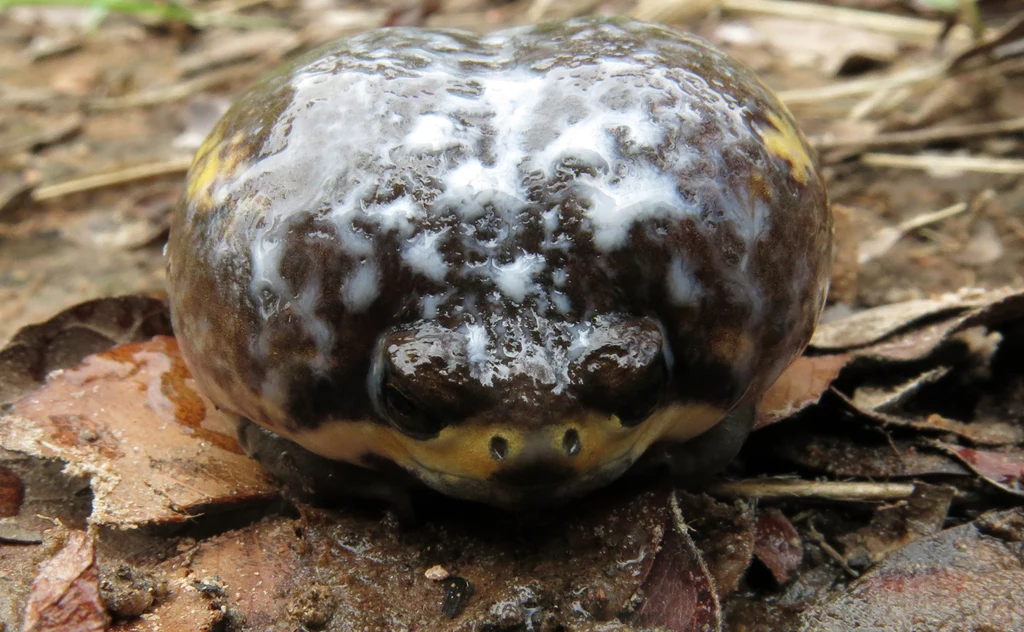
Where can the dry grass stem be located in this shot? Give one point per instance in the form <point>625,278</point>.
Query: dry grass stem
<point>924,136</point>
<point>171,166</point>
<point>829,550</point>
<point>776,488</point>
<point>909,29</point>
<point>946,164</point>
<point>178,91</point>
<point>860,87</point>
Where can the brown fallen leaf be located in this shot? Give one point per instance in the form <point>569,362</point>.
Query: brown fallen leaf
<point>66,593</point>
<point>12,492</point>
<point>680,592</point>
<point>898,524</point>
<point>799,387</point>
<point>777,544</point>
<point>724,535</point>
<point>1003,469</point>
<point>874,325</point>
<point>64,340</point>
<point>359,570</point>
<point>958,579</point>
<point>843,457</point>
<point>845,268</point>
<point>130,419</point>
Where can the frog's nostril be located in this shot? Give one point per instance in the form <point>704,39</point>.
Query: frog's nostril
<point>499,448</point>
<point>571,442</point>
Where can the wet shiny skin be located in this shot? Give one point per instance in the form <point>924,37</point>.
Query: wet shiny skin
<point>510,264</point>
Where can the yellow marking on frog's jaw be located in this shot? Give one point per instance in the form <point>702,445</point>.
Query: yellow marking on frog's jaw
<point>604,439</point>
<point>784,141</point>
<point>462,453</point>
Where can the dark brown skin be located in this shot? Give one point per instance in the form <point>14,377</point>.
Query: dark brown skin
<point>508,267</point>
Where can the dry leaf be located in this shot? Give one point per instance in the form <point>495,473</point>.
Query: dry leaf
<point>956,580</point>
<point>777,544</point>
<point>130,419</point>
<point>66,593</point>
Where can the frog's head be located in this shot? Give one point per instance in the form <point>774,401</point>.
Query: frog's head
<point>514,414</point>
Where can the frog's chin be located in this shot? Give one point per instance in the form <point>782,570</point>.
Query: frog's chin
<point>517,497</point>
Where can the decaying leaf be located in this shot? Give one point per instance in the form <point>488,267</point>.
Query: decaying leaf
<point>680,592</point>
<point>12,492</point>
<point>723,534</point>
<point>777,544</point>
<point>873,325</point>
<point>66,593</point>
<point>131,421</point>
<point>64,340</point>
<point>800,386</point>
<point>154,452</point>
<point>1003,469</point>
<point>958,579</point>
<point>896,525</point>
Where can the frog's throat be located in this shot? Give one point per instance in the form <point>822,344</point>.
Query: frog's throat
<point>462,453</point>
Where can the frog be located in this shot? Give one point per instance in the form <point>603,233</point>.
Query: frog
<point>510,268</point>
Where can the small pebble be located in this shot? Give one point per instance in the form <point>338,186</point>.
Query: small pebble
<point>437,573</point>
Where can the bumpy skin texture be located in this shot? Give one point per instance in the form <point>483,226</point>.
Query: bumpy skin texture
<point>508,264</point>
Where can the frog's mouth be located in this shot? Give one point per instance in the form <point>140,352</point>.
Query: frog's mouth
<point>538,487</point>
<point>507,465</point>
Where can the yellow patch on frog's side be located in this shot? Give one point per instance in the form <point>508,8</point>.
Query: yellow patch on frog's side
<point>784,141</point>
<point>215,160</point>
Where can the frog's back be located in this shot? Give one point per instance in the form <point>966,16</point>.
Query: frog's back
<point>551,174</point>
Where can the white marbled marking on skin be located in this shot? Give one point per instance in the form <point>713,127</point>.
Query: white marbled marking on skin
<point>361,288</point>
<point>683,287</point>
<point>423,256</point>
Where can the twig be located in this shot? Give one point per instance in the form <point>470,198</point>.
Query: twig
<point>883,240</point>
<point>924,136</point>
<point>777,488</point>
<point>979,164</point>
<point>59,130</point>
<point>177,91</point>
<point>830,550</point>
<point>924,219</point>
<point>861,87</point>
<point>171,166</point>
<point>912,29</point>
<point>537,10</point>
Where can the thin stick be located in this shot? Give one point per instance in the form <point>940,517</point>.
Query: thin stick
<point>932,217</point>
<point>776,488</point>
<point>912,29</point>
<point>830,550</point>
<point>978,164</point>
<point>925,136</point>
<point>117,177</point>
<point>537,10</point>
<point>177,91</point>
<point>861,87</point>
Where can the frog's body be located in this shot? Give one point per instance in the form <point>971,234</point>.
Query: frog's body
<point>509,264</point>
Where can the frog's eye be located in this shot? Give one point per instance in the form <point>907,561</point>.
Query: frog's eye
<point>412,418</point>
<point>634,406</point>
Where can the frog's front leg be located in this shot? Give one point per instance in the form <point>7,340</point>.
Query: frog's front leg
<point>696,461</point>
<point>316,478</point>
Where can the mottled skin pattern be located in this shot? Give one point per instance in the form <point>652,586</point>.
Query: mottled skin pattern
<point>509,264</point>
